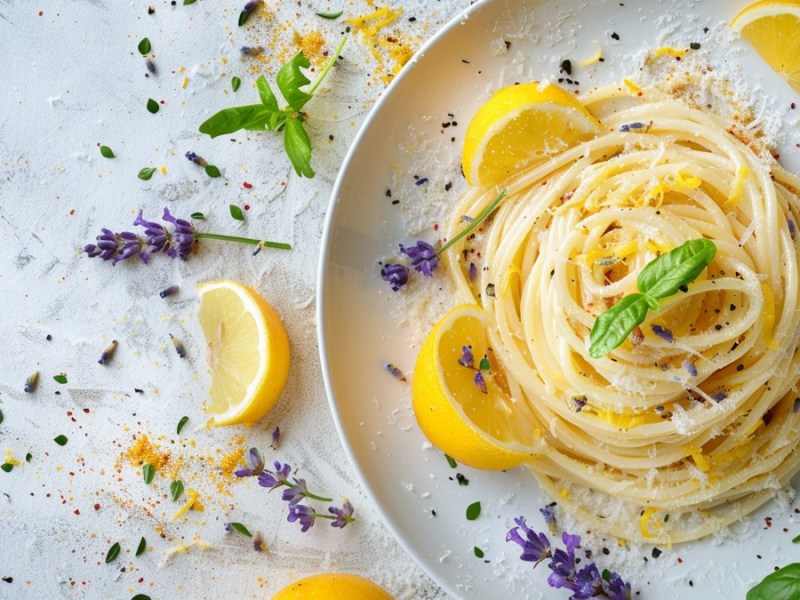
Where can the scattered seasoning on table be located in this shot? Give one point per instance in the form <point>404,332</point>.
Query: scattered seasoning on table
<point>169,291</point>
<point>461,479</point>
<point>694,46</point>
<point>450,461</point>
<point>394,371</point>
<point>182,423</point>
<point>478,552</point>
<point>614,36</point>
<point>31,381</point>
<point>656,553</point>
<point>178,346</point>
<point>108,353</point>
<point>473,511</point>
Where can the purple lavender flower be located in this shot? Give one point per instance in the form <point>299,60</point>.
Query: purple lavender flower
<point>617,589</point>
<point>394,371</point>
<point>251,50</point>
<point>302,513</point>
<point>183,236</point>
<point>196,159</point>
<point>480,382</point>
<point>295,493</point>
<point>423,257</point>
<point>535,546</point>
<point>467,359</point>
<point>395,274</point>
<point>563,563</point>
<point>473,271</point>
<point>255,464</point>
<point>719,396</point>
<point>792,229</point>
<point>115,246</point>
<point>271,480</point>
<point>662,332</point>
<point>344,515</point>
<point>690,367</point>
<point>158,238</point>
<point>587,584</point>
<point>276,437</point>
<point>549,514</point>
<point>252,5</point>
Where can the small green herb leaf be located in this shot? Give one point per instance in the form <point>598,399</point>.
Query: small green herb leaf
<point>187,2</point>
<point>184,419</point>
<point>298,147</point>
<point>330,16</point>
<point>236,212</point>
<point>145,596</point>
<point>28,457</point>
<point>7,467</point>
<point>478,552</point>
<point>235,83</point>
<point>783,584</point>
<point>146,173</point>
<point>141,547</point>
<point>106,152</point>
<point>148,472</point>
<point>244,16</point>
<point>60,378</point>
<point>252,117</point>
<point>606,575</point>
<point>473,510</point>
<point>665,275</point>
<point>451,461</point>
<point>290,79</point>
<point>1,416</point>
<point>144,47</point>
<point>484,364</point>
<point>152,106</point>
<point>265,93</point>
<point>112,553</point>
<point>176,490</point>
<point>613,326</point>
<point>241,529</point>
<point>61,440</point>
<point>212,171</point>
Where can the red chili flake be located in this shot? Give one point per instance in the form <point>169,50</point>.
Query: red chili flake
<point>680,560</point>
<point>76,511</point>
<point>41,12</point>
<point>97,507</point>
<point>793,105</point>
<point>768,522</point>
<point>86,410</point>
<point>436,227</point>
<point>72,212</point>
<point>247,207</point>
<point>247,185</point>
<point>141,580</point>
<point>163,102</point>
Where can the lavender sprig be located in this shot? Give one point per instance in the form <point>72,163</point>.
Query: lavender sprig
<point>180,242</point>
<point>424,257</point>
<point>586,582</point>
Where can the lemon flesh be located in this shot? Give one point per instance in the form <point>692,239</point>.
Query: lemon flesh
<point>332,586</point>
<point>483,430</point>
<point>772,27</point>
<point>247,351</point>
<point>519,126</point>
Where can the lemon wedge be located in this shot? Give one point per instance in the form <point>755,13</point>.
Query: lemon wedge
<point>520,125</point>
<point>773,28</point>
<point>478,425</point>
<point>247,351</point>
<point>332,586</point>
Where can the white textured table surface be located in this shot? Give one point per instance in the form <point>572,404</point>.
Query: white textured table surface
<point>73,80</point>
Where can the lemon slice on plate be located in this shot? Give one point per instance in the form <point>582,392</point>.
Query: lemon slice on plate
<point>773,28</point>
<point>520,125</point>
<point>248,352</point>
<point>478,424</point>
<point>332,586</point>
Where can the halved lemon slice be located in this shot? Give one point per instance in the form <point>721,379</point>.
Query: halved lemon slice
<point>332,586</point>
<point>478,425</point>
<point>248,352</point>
<point>773,29</point>
<point>520,125</point>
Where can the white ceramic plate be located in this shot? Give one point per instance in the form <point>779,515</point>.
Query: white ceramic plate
<point>360,318</point>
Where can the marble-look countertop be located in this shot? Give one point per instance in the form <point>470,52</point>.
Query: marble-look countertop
<point>72,80</point>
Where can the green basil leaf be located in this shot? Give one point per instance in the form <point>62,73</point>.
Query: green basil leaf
<point>1,416</point>
<point>241,529</point>
<point>112,553</point>
<point>331,16</point>
<point>61,440</point>
<point>146,173</point>
<point>783,584</point>
<point>176,490</point>
<point>243,16</point>
<point>665,275</point>
<point>298,147</point>
<point>277,121</point>
<point>290,79</point>
<point>613,326</point>
<point>265,92</point>
<point>186,2</point>
<point>60,378</point>
<point>152,106</point>
<point>184,419</point>
<point>143,596</point>
<point>148,472</point>
<point>212,171</point>
<point>478,552</point>
<point>7,467</point>
<point>141,547</point>
<point>473,511</point>
<point>252,117</point>
<point>235,83</point>
<point>144,47</point>
<point>236,212</point>
<point>106,152</point>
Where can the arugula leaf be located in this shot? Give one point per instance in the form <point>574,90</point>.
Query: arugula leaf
<point>665,275</point>
<point>290,79</point>
<point>252,117</point>
<point>783,584</point>
<point>298,147</point>
<point>265,92</point>
<point>613,326</point>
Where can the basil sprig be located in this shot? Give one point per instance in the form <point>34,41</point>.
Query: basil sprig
<point>783,584</point>
<point>268,116</point>
<point>661,278</point>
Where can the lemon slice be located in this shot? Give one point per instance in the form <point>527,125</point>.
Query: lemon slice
<point>482,428</point>
<point>248,352</point>
<point>773,28</point>
<point>520,125</point>
<point>332,586</point>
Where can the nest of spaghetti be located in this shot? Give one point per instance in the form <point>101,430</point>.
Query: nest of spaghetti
<point>694,420</point>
